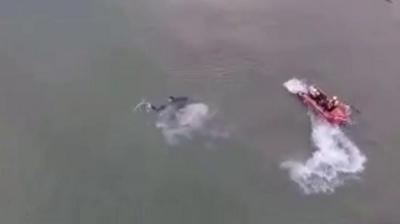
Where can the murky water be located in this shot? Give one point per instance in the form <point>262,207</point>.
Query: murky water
<point>72,151</point>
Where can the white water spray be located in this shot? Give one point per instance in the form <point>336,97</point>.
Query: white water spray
<point>336,160</point>
<point>295,86</point>
<point>188,122</point>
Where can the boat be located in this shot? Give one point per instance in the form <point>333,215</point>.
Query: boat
<point>339,115</point>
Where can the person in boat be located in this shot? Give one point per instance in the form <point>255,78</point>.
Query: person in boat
<point>317,96</point>
<point>332,104</point>
<point>177,102</point>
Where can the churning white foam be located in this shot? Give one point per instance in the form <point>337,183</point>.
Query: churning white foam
<point>295,86</point>
<point>336,159</point>
<point>187,122</point>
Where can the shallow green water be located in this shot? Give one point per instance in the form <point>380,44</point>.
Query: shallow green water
<point>72,151</point>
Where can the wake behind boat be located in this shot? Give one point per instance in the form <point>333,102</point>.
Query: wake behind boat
<point>329,108</point>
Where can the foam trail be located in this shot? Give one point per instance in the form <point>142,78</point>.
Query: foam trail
<point>140,105</point>
<point>185,123</point>
<point>336,160</point>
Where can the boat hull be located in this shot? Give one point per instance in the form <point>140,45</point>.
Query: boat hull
<point>338,116</point>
